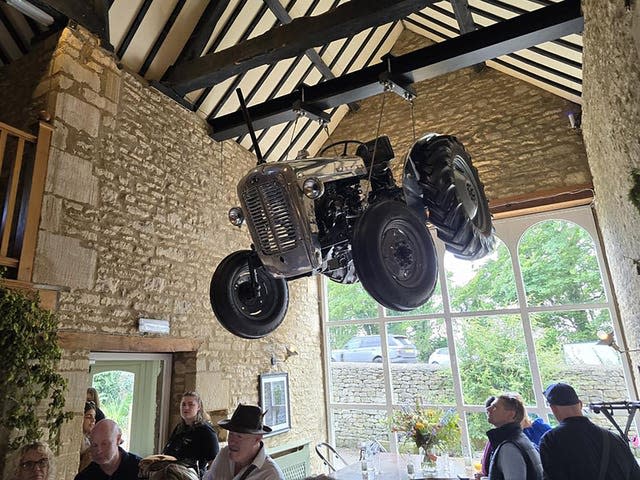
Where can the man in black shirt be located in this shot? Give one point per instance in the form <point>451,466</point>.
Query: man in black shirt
<point>110,462</point>
<point>577,449</point>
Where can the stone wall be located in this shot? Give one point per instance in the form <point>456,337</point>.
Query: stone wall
<point>134,222</point>
<point>518,135</point>
<point>612,137</point>
<point>364,383</point>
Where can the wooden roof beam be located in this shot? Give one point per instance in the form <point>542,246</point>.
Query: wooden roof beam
<point>288,41</point>
<point>523,31</point>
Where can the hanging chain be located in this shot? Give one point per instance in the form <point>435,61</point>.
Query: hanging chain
<point>413,119</point>
<point>298,115</point>
<point>375,143</point>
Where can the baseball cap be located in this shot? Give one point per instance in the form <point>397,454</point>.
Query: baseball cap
<point>561,394</point>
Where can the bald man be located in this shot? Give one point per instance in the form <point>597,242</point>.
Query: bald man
<point>109,460</point>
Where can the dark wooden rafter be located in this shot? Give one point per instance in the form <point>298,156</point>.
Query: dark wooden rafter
<point>288,40</point>
<point>281,14</point>
<point>536,65</point>
<point>195,45</point>
<point>236,82</point>
<point>133,29</point>
<point>487,43</point>
<point>306,124</point>
<point>282,78</point>
<point>463,16</point>
<point>338,56</point>
<point>15,36</point>
<point>226,28</point>
<point>157,44</point>
<point>91,14</point>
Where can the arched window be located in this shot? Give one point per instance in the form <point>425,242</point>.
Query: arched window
<point>516,320</point>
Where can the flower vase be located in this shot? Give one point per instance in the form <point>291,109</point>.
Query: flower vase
<point>428,460</point>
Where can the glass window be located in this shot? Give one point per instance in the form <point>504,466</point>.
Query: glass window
<point>522,317</point>
<point>350,302</point>
<point>485,284</point>
<point>559,264</point>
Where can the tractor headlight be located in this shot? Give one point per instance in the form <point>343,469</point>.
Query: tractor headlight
<point>313,188</point>
<point>236,217</point>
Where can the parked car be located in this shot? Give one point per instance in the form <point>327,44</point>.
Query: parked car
<point>440,356</point>
<point>367,348</point>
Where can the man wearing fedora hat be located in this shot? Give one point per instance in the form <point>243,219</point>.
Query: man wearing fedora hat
<point>244,457</point>
<point>579,450</point>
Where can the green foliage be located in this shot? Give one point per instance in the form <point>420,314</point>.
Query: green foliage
<point>28,375</point>
<point>116,395</point>
<point>559,268</point>
<point>350,302</point>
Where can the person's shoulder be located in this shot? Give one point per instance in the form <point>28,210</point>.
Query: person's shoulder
<point>131,458</point>
<point>540,424</point>
<point>277,473</point>
<point>90,472</point>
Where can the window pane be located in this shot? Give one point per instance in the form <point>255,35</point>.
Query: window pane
<point>492,357</point>
<point>477,425</point>
<point>567,351</point>
<point>356,364</point>
<point>433,305</point>
<point>559,265</point>
<point>348,302</point>
<point>352,427</point>
<point>429,380</point>
<point>485,284</point>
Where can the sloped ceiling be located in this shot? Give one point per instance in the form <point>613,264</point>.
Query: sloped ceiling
<point>149,36</point>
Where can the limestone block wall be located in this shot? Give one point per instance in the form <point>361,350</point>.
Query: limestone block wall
<point>612,139</point>
<point>364,383</point>
<point>134,222</point>
<point>518,135</point>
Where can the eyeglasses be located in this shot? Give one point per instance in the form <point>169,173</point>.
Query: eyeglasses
<point>42,464</point>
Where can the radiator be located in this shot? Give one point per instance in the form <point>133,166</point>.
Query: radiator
<point>293,460</point>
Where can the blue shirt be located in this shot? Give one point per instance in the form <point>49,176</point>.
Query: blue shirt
<point>536,430</point>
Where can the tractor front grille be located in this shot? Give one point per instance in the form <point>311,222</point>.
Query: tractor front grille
<point>271,213</point>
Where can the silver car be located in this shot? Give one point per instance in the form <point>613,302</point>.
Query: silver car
<point>367,348</point>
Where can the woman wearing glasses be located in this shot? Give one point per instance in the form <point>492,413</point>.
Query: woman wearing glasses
<point>35,462</point>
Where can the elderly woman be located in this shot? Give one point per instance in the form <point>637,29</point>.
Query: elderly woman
<point>193,442</point>
<point>34,462</point>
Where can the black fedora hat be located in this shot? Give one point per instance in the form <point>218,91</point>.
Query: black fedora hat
<point>246,419</point>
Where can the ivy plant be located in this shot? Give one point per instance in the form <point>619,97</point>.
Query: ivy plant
<point>28,372</point>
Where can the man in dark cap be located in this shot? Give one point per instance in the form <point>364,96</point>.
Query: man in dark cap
<point>244,457</point>
<point>579,450</point>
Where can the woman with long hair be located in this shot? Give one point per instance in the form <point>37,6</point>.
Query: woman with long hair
<point>193,442</point>
<point>92,396</point>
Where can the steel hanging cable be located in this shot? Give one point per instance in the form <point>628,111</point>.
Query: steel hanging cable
<point>375,143</point>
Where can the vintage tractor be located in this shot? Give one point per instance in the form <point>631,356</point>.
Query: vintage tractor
<point>344,216</point>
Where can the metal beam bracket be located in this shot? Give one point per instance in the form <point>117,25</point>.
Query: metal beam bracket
<point>303,109</point>
<point>396,83</point>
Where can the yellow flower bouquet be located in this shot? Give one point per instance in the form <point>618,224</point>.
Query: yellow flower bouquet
<point>431,429</point>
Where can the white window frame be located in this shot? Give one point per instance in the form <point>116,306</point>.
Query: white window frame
<point>510,231</point>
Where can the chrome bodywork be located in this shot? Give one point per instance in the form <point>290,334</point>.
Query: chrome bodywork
<point>281,219</point>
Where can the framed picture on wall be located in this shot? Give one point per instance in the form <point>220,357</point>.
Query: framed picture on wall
<point>274,400</point>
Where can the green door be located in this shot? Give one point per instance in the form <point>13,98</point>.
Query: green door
<point>132,393</point>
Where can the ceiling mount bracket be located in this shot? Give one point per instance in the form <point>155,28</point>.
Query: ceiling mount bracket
<point>396,83</point>
<point>303,109</point>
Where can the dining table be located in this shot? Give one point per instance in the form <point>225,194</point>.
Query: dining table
<point>391,466</point>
